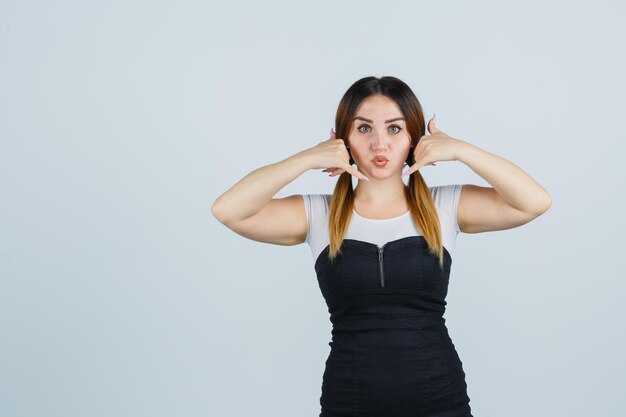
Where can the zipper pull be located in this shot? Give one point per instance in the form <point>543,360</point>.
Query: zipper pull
<point>380,263</point>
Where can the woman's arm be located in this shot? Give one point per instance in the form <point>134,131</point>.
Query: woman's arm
<point>515,186</point>
<point>252,193</point>
<point>515,198</point>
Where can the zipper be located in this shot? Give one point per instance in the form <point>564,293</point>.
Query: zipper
<point>380,263</point>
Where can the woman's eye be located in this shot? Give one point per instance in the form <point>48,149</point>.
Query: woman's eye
<point>367,127</point>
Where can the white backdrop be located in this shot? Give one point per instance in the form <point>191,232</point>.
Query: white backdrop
<point>121,123</point>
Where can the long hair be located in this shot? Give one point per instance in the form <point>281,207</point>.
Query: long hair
<point>418,195</point>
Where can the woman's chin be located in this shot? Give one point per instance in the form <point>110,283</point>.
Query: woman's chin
<point>380,173</point>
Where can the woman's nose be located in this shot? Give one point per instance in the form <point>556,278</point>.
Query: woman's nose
<point>379,140</point>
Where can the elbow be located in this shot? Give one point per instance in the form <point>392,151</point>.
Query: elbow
<point>548,202</point>
<point>546,205</point>
<point>216,211</point>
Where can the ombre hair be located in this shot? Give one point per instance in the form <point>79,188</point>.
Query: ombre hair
<point>422,206</point>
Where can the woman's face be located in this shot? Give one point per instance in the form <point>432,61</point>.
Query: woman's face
<point>379,129</point>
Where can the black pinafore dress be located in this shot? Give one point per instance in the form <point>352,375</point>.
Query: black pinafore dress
<point>391,354</point>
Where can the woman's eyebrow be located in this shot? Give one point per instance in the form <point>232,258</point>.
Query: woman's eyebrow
<point>386,121</point>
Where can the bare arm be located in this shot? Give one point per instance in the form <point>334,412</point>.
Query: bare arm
<point>514,199</point>
<point>254,191</point>
<point>248,208</point>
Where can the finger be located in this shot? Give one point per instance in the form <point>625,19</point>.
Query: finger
<point>333,170</point>
<point>350,170</point>
<point>431,125</point>
<point>414,168</point>
<point>411,170</point>
<point>332,133</point>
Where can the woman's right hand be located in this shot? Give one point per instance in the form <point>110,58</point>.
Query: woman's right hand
<point>332,155</point>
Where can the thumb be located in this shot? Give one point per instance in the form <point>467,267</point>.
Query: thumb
<point>332,133</point>
<point>431,125</point>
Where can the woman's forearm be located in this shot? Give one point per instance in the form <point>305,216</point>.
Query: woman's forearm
<point>518,188</point>
<point>248,196</point>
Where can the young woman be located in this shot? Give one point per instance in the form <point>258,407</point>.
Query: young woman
<point>383,250</point>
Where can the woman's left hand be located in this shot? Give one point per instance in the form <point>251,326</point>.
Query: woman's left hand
<point>437,146</point>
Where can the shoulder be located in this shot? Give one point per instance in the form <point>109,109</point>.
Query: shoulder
<point>446,199</point>
<point>446,196</point>
<point>316,202</point>
<point>316,207</point>
<point>447,191</point>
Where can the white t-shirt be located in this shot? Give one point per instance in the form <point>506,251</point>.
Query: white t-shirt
<point>379,232</point>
